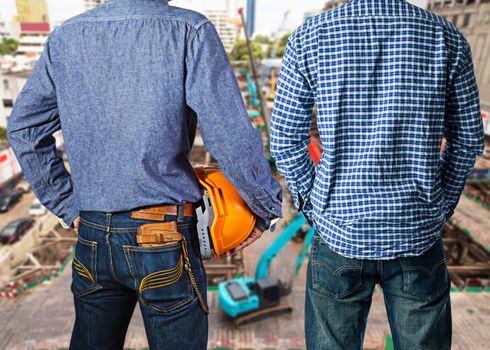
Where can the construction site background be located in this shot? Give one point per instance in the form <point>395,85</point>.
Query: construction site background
<point>36,307</point>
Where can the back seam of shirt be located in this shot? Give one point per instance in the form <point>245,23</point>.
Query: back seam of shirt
<point>446,27</point>
<point>136,17</point>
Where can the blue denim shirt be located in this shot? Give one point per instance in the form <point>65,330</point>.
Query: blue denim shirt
<point>127,83</point>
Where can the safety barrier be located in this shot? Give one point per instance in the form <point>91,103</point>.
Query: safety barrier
<point>13,290</point>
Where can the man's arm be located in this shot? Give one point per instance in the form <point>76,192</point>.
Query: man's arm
<point>290,130</point>
<point>214,95</point>
<point>463,131</point>
<point>30,129</point>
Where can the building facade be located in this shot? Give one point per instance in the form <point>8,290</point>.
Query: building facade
<point>90,4</point>
<point>472,17</point>
<point>33,27</point>
<point>32,11</point>
<point>33,37</point>
<point>10,85</point>
<point>4,32</point>
<point>225,25</point>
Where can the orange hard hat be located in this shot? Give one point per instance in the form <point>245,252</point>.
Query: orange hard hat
<point>224,219</point>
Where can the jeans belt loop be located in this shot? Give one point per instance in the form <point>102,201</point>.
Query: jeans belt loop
<point>180,213</point>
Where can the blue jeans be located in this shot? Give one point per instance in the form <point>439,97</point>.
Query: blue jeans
<point>415,290</point>
<point>109,270</point>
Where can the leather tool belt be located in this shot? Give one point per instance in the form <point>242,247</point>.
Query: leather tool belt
<point>162,234</point>
<point>158,212</point>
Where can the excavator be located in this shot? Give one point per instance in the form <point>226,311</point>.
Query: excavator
<point>247,298</point>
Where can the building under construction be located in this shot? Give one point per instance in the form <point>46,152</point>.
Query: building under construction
<point>35,272</point>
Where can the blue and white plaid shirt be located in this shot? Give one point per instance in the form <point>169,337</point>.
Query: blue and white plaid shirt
<point>389,80</point>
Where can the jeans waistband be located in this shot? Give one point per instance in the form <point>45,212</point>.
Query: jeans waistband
<point>120,220</point>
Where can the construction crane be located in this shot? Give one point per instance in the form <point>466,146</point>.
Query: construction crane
<point>268,72</point>
<point>253,66</point>
<point>251,5</point>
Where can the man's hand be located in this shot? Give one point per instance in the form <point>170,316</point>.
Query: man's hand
<point>76,222</point>
<point>255,235</point>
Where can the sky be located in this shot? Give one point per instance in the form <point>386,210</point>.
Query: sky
<point>269,14</point>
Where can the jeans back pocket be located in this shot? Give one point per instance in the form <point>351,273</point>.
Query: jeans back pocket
<point>84,267</point>
<point>426,276</point>
<point>333,274</point>
<point>159,275</point>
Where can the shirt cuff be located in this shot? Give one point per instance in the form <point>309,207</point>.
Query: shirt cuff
<point>266,224</point>
<point>63,223</point>
<point>448,213</point>
<point>262,224</point>
<point>68,214</point>
<point>265,206</point>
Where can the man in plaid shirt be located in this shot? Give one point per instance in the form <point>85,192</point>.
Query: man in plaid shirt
<point>389,81</point>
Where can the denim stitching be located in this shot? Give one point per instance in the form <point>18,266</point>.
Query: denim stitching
<point>342,268</point>
<point>381,270</point>
<point>92,224</point>
<point>126,229</point>
<point>431,296</point>
<point>97,286</point>
<point>423,268</point>
<point>168,248</point>
<point>87,242</point>
<point>172,308</point>
<point>406,282</point>
<point>136,18</point>
<point>322,290</point>
<point>111,264</point>
<point>129,261</point>
<point>128,249</point>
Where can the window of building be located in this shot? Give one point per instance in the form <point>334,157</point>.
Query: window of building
<point>6,85</point>
<point>467,19</point>
<point>455,20</point>
<point>8,103</point>
<point>486,18</point>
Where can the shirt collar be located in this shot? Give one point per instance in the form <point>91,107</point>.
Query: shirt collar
<point>163,2</point>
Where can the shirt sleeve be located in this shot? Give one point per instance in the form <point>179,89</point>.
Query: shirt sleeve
<point>30,129</point>
<point>290,130</point>
<point>463,131</point>
<point>212,92</point>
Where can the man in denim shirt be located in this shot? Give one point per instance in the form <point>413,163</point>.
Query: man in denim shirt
<point>127,83</point>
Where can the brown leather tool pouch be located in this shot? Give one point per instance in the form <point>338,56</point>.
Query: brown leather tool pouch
<point>158,234</point>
